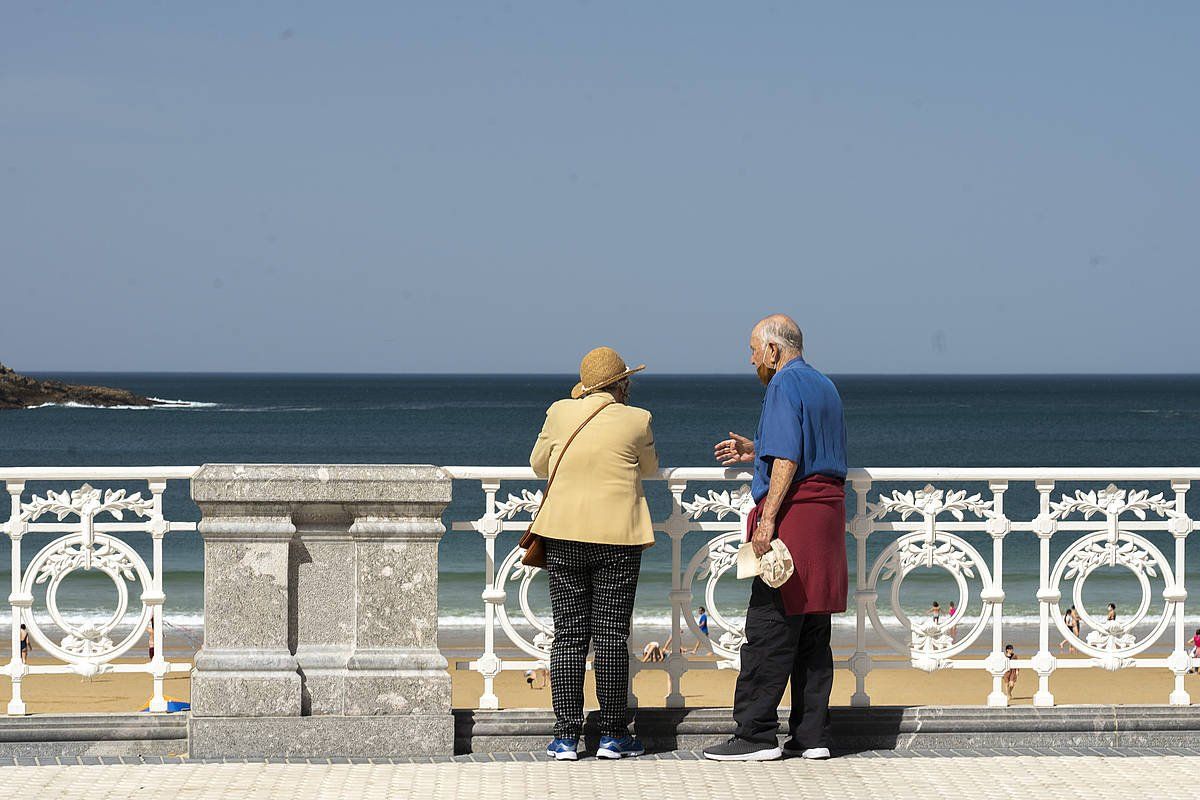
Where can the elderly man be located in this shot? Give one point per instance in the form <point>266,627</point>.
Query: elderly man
<point>799,457</point>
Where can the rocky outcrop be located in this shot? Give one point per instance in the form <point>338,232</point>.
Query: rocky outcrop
<point>19,391</point>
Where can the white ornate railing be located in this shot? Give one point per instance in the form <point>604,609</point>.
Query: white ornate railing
<point>89,520</point>
<point>902,521</point>
<point>926,528</point>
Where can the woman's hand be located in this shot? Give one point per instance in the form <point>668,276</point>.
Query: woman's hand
<point>734,450</point>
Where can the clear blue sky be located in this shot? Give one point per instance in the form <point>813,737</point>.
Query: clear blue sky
<point>393,187</point>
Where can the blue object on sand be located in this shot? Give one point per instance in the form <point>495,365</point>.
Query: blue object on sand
<point>173,705</point>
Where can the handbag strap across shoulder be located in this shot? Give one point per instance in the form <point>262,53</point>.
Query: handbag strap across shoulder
<point>592,416</point>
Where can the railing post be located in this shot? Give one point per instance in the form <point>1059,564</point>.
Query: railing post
<point>320,612</point>
<point>490,664</point>
<point>997,527</point>
<point>1179,660</point>
<point>860,528</point>
<point>1044,661</point>
<point>156,597</point>
<point>676,528</point>
<point>17,600</point>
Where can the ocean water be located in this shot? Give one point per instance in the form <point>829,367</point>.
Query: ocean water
<point>969,421</point>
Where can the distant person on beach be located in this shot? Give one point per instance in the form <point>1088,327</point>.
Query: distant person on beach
<point>1071,620</point>
<point>1195,651</point>
<point>1112,612</point>
<point>150,637</point>
<point>653,651</point>
<point>26,645</point>
<point>953,622</point>
<point>1010,675</point>
<point>799,457</point>
<point>595,524</point>
<point>702,624</point>
<point>935,612</point>
<point>536,678</point>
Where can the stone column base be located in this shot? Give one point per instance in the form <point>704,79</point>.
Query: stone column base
<point>390,736</point>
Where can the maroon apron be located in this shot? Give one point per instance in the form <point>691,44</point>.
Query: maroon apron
<point>812,523</point>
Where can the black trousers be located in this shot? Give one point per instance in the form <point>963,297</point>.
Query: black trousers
<point>779,647</point>
<point>592,587</point>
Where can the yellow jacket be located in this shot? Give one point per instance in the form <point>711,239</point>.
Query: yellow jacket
<point>597,494</point>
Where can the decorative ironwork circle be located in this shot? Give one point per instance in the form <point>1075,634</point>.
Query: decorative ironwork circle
<point>887,560</point>
<point>511,567</point>
<point>1086,566</point>
<point>716,558</point>
<point>113,557</point>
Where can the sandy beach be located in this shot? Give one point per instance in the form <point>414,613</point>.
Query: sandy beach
<point>704,687</point>
<point>117,692</point>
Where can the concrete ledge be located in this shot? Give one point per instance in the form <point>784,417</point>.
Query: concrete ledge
<point>135,734</point>
<point>884,727</point>
<point>321,483</point>
<point>927,728</point>
<point>383,736</point>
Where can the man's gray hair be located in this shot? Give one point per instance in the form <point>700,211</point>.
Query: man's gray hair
<point>782,332</point>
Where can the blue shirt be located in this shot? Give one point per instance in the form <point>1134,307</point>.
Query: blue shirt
<point>801,421</point>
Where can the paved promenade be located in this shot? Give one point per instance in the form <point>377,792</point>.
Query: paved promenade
<point>1050,774</point>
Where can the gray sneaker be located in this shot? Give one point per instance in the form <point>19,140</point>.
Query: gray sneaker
<point>741,750</point>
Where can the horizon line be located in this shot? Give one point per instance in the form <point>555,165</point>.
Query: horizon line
<point>747,374</point>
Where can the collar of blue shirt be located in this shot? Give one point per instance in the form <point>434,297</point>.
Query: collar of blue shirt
<point>798,361</point>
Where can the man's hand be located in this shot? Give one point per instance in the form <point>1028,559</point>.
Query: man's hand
<point>734,450</point>
<point>763,534</point>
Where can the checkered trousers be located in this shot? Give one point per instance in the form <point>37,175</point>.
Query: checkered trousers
<point>592,587</point>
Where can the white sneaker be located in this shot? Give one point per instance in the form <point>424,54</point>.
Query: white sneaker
<point>812,753</point>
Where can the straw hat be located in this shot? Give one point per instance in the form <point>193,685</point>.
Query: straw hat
<point>599,368</point>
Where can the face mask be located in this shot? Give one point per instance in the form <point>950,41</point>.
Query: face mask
<point>765,373</point>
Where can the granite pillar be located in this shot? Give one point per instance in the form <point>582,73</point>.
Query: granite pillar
<point>320,612</point>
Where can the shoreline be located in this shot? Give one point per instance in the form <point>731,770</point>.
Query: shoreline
<point>466,642</point>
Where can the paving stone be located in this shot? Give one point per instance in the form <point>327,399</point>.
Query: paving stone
<point>997,777</point>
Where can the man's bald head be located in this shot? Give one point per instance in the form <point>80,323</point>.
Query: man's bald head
<point>781,331</point>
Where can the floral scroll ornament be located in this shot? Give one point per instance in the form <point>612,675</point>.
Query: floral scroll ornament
<point>1113,501</point>
<point>722,504</point>
<point>87,504</point>
<point>526,503</point>
<point>929,642</point>
<point>929,502</point>
<point>944,554</point>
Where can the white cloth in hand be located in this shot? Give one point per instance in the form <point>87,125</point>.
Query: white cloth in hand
<point>775,567</point>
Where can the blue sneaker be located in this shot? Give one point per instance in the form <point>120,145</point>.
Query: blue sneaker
<point>563,749</point>
<point>627,747</point>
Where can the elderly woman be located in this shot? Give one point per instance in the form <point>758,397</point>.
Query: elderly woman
<point>595,524</point>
